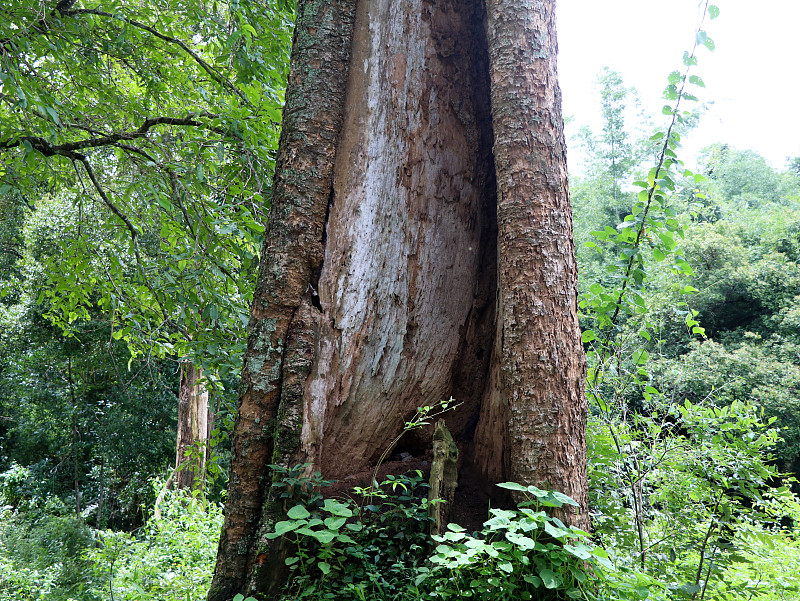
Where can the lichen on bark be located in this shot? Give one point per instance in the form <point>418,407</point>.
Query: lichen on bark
<point>291,260</point>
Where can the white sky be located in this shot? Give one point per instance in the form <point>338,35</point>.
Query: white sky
<point>753,76</point>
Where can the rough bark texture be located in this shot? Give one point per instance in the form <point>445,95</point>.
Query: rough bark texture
<point>536,417</point>
<point>291,260</point>
<point>381,288</point>
<point>192,428</point>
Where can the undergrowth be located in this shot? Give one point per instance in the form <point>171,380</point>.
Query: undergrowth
<point>48,553</point>
<point>374,544</point>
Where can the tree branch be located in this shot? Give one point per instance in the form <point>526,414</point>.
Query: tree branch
<point>133,149</point>
<point>90,172</point>
<point>48,149</point>
<point>64,9</point>
<point>10,250</point>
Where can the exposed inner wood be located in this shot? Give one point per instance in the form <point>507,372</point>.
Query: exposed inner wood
<point>407,288</point>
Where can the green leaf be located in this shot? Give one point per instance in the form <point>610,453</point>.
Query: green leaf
<point>523,542</point>
<point>211,312</point>
<point>287,526</point>
<point>298,512</point>
<point>580,551</point>
<point>549,578</point>
<point>336,508</point>
<point>713,11</point>
<point>588,336</point>
<point>566,500</point>
<point>512,486</point>
<point>696,80</point>
<point>700,37</point>
<point>554,531</point>
<point>324,567</point>
<point>334,523</point>
<point>53,115</point>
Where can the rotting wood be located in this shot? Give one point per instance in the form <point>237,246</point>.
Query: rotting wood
<point>443,479</point>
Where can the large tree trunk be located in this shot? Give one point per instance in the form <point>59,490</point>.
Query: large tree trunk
<point>404,263</point>
<point>190,461</point>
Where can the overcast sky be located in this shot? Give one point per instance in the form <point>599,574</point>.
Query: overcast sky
<point>753,76</point>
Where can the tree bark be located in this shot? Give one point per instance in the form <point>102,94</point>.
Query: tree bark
<point>533,423</point>
<point>192,428</point>
<point>404,263</point>
<point>290,266</point>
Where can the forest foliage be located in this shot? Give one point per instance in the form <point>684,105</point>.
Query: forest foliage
<point>136,148</point>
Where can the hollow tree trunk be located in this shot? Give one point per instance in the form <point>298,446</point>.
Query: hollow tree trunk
<point>192,428</point>
<point>405,263</point>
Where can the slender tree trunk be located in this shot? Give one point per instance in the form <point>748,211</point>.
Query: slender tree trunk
<point>211,425</point>
<point>99,523</point>
<point>405,262</point>
<point>76,435</point>
<point>192,428</point>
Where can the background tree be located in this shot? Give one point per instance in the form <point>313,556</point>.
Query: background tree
<point>87,429</point>
<point>613,149</point>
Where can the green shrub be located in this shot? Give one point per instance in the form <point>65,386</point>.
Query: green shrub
<point>368,546</point>
<point>42,554</point>
<point>376,546</point>
<point>519,554</point>
<point>172,557</point>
